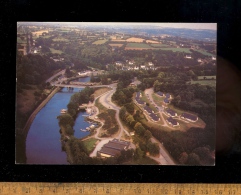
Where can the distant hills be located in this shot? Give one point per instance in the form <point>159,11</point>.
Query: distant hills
<point>138,29</point>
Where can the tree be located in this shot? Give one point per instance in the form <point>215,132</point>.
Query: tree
<point>138,154</point>
<point>153,148</point>
<point>193,159</point>
<point>147,135</point>
<point>183,158</point>
<point>122,113</point>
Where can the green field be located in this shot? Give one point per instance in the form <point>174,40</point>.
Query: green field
<point>60,39</point>
<point>185,50</point>
<point>99,42</point>
<point>205,82</point>
<point>138,45</point>
<point>157,45</point>
<point>205,53</point>
<point>55,51</point>
<point>89,144</point>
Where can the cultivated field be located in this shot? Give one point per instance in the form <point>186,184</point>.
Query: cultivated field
<point>185,50</point>
<point>137,46</point>
<point>99,42</point>
<point>151,41</point>
<point>159,45</point>
<point>37,33</point>
<point>115,45</point>
<point>134,39</point>
<point>204,52</point>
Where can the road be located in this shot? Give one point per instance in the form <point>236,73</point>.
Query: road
<point>164,158</point>
<point>149,93</point>
<point>106,101</point>
<point>57,74</point>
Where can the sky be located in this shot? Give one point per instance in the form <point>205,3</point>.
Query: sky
<point>209,26</point>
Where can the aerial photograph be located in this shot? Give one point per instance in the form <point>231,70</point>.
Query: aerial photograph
<point>105,93</point>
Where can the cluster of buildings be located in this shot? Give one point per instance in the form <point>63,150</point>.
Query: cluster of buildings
<point>113,148</point>
<point>131,65</point>
<point>154,117</point>
<point>186,116</point>
<point>167,97</point>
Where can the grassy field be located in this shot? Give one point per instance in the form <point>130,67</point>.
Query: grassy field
<point>205,82</point>
<point>159,45</point>
<point>158,99</point>
<point>55,51</point>
<point>141,45</point>
<point>60,39</point>
<point>100,91</point>
<point>185,50</point>
<point>204,53</point>
<point>100,106</point>
<point>90,144</point>
<point>99,42</point>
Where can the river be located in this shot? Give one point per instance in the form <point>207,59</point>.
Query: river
<point>43,144</point>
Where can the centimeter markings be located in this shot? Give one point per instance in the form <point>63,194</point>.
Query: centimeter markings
<point>20,188</point>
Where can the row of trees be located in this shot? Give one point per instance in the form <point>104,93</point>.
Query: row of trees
<point>142,135</point>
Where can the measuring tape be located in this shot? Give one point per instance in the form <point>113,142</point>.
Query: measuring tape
<point>11,188</point>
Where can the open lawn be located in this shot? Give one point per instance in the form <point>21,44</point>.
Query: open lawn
<point>55,51</point>
<point>158,99</point>
<point>99,42</point>
<point>145,99</point>
<point>185,50</point>
<point>100,106</point>
<point>204,82</point>
<point>89,144</point>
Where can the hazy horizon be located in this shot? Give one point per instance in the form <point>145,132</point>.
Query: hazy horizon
<point>196,26</point>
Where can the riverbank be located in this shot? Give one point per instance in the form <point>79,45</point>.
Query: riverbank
<point>35,112</point>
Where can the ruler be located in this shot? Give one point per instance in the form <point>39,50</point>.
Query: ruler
<point>20,188</point>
